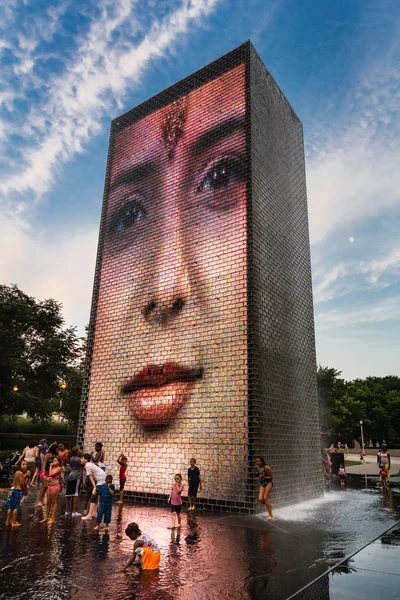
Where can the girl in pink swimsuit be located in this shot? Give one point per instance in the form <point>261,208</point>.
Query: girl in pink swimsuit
<point>53,488</point>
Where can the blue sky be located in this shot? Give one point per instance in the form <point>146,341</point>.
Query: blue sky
<point>68,68</point>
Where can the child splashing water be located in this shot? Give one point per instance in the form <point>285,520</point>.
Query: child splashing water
<point>264,474</point>
<point>146,553</point>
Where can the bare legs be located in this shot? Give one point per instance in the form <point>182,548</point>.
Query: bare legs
<point>176,520</point>
<point>35,477</point>
<point>43,491</point>
<point>51,508</point>
<point>12,517</point>
<point>263,497</point>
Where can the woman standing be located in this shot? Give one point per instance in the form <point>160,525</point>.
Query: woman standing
<point>53,487</point>
<point>29,454</point>
<point>264,474</point>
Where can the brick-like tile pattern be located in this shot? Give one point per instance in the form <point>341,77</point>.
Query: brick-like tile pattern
<point>283,411</point>
<point>203,262</point>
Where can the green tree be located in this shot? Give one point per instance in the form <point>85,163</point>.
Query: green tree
<point>37,353</point>
<point>376,402</point>
<point>70,397</point>
<point>330,388</point>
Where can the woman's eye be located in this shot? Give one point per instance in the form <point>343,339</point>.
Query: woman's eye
<point>218,179</point>
<point>127,216</point>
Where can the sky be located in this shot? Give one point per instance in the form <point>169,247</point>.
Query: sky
<point>67,68</point>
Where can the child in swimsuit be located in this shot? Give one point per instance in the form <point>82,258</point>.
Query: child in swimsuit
<point>19,488</point>
<point>53,487</point>
<point>264,474</point>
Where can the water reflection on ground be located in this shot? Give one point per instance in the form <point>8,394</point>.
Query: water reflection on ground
<point>213,557</point>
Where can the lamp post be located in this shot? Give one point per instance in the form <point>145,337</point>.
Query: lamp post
<point>362,438</point>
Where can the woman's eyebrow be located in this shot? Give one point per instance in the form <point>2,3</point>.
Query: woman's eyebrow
<point>217,133</point>
<point>132,174</point>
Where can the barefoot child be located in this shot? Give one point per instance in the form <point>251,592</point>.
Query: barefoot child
<point>53,487</point>
<point>264,474</point>
<point>146,553</point>
<point>175,498</point>
<point>194,481</point>
<point>106,493</point>
<point>123,465</point>
<point>19,488</point>
<point>383,477</point>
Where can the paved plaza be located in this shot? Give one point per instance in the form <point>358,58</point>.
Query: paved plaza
<point>332,548</point>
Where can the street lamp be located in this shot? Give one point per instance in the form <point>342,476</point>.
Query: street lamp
<point>362,438</point>
<point>15,388</point>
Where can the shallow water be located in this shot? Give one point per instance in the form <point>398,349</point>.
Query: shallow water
<point>214,557</point>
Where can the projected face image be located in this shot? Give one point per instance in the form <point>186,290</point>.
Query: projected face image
<point>170,350</point>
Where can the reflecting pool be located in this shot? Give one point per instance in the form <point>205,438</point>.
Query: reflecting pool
<point>214,556</point>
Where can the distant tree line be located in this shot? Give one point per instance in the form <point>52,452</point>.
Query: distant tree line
<point>343,404</point>
<point>41,360</point>
<point>42,368</point>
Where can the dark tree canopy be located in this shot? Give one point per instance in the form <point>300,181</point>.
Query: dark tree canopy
<point>38,355</point>
<point>343,404</point>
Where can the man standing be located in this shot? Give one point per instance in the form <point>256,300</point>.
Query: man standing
<point>96,476</point>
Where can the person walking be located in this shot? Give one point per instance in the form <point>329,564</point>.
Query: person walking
<point>264,475</point>
<point>30,454</point>
<point>73,484</point>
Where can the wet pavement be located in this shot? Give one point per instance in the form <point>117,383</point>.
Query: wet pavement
<point>214,557</point>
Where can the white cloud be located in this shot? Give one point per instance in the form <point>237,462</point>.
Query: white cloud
<point>362,314</point>
<point>352,276</point>
<point>374,269</point>
<point>94,83</point>
<point>60,267</point>
<point>107,62</point>
<point>352,169</point>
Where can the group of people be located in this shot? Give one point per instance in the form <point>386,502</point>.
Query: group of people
<point>339,448</point>
<point>57,466</point>
<point>382,458</point>
<point>327,468</point>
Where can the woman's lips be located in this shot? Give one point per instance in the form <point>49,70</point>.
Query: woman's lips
<point>159,391</point>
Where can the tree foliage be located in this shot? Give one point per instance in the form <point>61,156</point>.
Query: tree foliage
<point>343,404</point>
<point>37,354</point>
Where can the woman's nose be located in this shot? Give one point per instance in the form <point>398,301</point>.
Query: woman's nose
<point>171,291</point>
